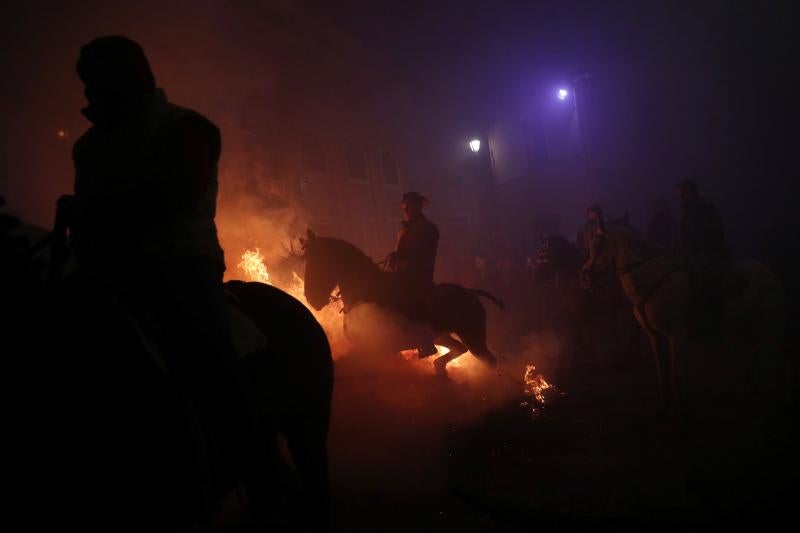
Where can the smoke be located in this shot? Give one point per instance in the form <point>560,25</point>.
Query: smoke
<point>393,416</point>
<point>255,211</point>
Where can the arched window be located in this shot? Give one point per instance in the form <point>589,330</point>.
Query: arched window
<point>390,173</point>
<point>356,162</point>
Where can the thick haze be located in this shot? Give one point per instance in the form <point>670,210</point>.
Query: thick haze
<point>678,90</point>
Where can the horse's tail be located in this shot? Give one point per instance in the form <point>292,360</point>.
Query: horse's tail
<point>495,300</point>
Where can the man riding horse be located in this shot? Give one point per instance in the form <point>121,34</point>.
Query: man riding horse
<point>413,261</point>
<point>142,218</point>
<point>594,218</point>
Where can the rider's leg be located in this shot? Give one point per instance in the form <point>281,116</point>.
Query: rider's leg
<point>190,302</point>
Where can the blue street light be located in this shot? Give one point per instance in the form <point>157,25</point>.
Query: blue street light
<point>562,94</point>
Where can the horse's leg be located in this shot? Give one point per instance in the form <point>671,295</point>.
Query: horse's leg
<point>475,341</point>
<point>662,358</point>
<point>456,350</point>
<point>679,346</point>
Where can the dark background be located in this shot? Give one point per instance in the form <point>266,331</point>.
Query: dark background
<point>702,90</point>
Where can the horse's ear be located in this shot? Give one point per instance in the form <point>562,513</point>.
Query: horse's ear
<point>310,234</point>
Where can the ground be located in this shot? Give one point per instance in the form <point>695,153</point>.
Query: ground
<point>418,454</point>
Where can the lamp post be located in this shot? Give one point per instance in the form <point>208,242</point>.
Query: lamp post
<point>563,94</point>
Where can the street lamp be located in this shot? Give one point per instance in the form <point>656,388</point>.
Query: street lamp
<point>562,94</point>
<point>475,145</point>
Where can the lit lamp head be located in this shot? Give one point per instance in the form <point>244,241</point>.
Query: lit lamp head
<point>562,94</point>
<point>475,145</point>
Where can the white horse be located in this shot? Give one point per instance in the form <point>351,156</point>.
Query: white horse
<point>660,289</point>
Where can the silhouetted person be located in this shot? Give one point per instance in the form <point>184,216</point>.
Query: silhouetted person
<point>702,243</point>
<point>414,260</point>
<point>594,216</point>
<point>143,218</point>
<point>701,230</point>
<point>662,228</point>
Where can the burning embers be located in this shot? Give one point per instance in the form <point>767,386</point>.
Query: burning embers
<point>536,387</point>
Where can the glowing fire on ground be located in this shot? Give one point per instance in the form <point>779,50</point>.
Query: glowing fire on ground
<point>535,384</point>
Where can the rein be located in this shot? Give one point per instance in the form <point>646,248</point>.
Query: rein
<point>627,269</point>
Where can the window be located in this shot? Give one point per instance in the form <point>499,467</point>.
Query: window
<point>389,165</point>
<point>356,162</point>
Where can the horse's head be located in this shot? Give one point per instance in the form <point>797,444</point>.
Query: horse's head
<point>320,276</point>
<point>330,263</point>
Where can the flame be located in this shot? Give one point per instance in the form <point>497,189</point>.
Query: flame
<point>252,264</point>
<point>535,384</point>
<point>254,268</point>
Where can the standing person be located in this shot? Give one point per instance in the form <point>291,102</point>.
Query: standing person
<point>414,261</point>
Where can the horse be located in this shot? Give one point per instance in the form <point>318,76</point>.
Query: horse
<point>574,309</point>
<point>623,222</point>
<point>661,291</point>
<point>114,437</point>
<point>331,263</point>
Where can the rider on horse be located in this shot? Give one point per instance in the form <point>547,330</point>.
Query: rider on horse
<point>414,260</point>
<point>594,218</point>
<point>142,218</point>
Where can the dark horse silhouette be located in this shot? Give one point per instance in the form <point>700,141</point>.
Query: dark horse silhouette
<point>456,310</point>
<point>104,434</point>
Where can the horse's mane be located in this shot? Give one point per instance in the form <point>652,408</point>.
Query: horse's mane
<point>634,239</point>
<point>339,249</point>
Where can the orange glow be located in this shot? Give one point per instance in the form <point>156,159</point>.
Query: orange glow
<point>252,264</point>
<point>535,384</point>
<point>254,268</point>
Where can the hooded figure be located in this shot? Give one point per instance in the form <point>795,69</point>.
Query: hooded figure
<point>145,172</point>
<point>143,216</point>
